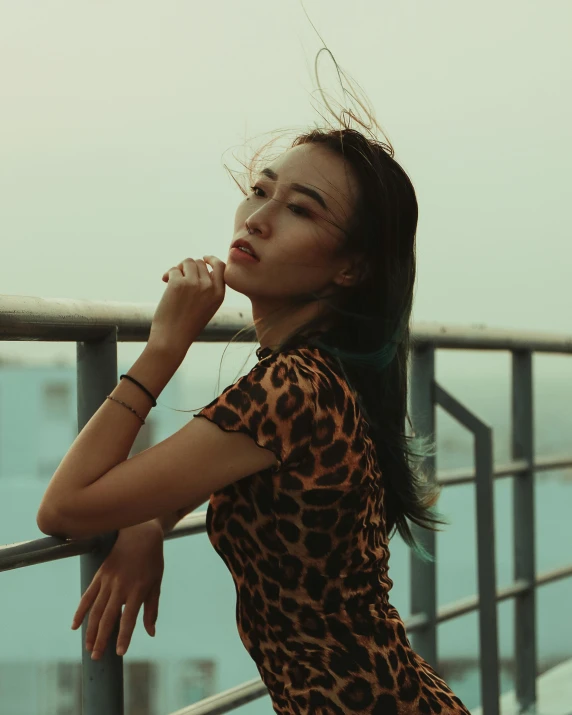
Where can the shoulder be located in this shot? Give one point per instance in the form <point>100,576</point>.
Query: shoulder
<point>274,403</point>
<point>281,384</point>
<point>289,380</point>
<point>295,365</point>
<point>284,381</point>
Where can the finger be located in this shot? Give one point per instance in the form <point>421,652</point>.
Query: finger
<point>84,605</point>
<point>218,267</point>
<point>108,619</point>
<point>127,625</point>
<point>216,264</point>
<point>151,611</point>
<point>190,269</point>
<point>166,274</point>
<point>94,617</point>
<point>174,275</point>
<point>203,271</point>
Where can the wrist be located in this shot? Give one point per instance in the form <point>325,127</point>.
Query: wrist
<point>163,526</point>
<point>154,369</point>
<point>153,525</point>
<point>158,524</point>
<point>166,353</point>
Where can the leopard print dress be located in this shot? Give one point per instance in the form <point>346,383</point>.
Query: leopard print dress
<point>306,545</point>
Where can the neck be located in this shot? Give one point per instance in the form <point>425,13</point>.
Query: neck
<point>276,322</point>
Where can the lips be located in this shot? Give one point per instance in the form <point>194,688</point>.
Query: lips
<point>245,244</point>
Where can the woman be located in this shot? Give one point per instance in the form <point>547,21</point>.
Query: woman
<point>305,459</point>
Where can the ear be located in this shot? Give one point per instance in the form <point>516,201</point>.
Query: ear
<point>351,274</point>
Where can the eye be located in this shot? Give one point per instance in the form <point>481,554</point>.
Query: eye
<point>302,211</point>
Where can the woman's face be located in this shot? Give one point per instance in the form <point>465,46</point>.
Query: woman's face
<point>293,235</point>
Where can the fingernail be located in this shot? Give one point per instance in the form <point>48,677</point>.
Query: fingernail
<point>153,630</point>
<point>88,646</point>
<point>95,655</point>
<point>121,650</point>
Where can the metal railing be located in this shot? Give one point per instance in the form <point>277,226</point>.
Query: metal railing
<point>98,326</point>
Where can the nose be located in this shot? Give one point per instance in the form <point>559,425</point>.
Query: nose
<point>260,220</point>
<point>257,228</point>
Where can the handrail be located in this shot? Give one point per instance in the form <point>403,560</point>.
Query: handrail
<point>62,319</point>
<point>49,548</point>
<point>466,475</point>
<point>227,700</point>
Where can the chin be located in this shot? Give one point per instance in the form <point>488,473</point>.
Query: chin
<point>236,281</point>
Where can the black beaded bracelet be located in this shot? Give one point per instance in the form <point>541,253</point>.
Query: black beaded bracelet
<point>145,390</point>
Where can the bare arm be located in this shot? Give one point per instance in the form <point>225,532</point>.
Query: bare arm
<point>184,469</point>
<point>169,521</point>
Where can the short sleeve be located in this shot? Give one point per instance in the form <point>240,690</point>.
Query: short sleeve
<point>274,404</point>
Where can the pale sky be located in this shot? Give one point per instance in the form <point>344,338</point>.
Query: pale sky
<point>116,117</point>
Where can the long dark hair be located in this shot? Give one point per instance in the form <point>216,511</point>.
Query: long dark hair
<point>369,329</point>
<point>369,333</point>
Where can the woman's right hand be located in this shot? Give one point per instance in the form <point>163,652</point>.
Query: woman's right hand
<point>131,575</point>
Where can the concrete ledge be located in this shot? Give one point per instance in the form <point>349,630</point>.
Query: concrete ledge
<point>554,691</point>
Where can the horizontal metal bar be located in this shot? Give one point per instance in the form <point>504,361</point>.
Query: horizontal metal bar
<point>466,475</point>
<point>417,622</point>
<point>458,608</point>
<point>49,548</point>
<point>454,477</point>
<point>227,700</point>
<point>40,551</point>
<point>554,575</point>
<point>62,319</point>
<point>471,603</point>
<point>189,526</point>
<point>516,588</point>
<point>29,553</point>
<point>480,337</point>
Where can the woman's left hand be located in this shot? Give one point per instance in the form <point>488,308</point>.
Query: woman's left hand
<point>192,297</point>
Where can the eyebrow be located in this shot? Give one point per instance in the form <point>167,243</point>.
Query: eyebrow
<point>298,187</point>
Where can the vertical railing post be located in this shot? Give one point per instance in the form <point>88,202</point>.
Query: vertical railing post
<point>486,569</point>
<point>486,552</point>
<point>102,680</point>
<point>524,528</point>
<point>423,597</point>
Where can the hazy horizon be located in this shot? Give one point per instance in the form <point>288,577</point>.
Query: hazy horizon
<point>116,120</point>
